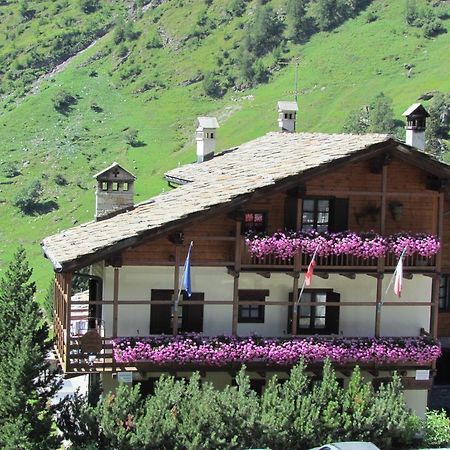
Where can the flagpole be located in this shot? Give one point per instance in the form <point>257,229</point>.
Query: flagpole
<point>392,278</point>
<point>304,281</point>
<point>180,285</point>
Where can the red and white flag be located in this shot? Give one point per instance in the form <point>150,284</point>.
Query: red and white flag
<point>310,272</point>
<point>398,278</point>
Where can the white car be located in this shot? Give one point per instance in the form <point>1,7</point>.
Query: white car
<point>348,446</point>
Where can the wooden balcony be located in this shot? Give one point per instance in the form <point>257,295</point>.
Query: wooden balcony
<point>349,263</point>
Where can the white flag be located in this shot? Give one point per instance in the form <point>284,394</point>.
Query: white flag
<point>398,278</point>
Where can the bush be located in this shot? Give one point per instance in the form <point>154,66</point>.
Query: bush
<point>213,86</point>
<point>28,198</point>
<point>433,27</point>
<point>10,170</point>
<point>60,180</point>
<point>436,429</point>
<point>63,101</point>
<point>193,415</point>
<point>131,137</point>
<point>89,6</point>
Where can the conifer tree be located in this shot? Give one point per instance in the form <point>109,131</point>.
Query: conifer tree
<point>26,383</point>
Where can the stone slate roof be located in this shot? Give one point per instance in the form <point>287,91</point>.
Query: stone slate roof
<point>254,165</point>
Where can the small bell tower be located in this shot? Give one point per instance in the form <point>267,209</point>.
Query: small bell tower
<point>416,116</point>
<point>287,114</point>
<point>206,138</point>
<point>114,191</point>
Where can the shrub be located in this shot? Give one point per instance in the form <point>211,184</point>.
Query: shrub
<point>213,86</point>
<point>436,429</point>
<point>27,199</point>
<point>154,41</point>
<point>131,137</point>
<point>60,180</point>
<point>89,6</point>
<point>433,27</point>
<point>11,170</point>
<point>63,101</point>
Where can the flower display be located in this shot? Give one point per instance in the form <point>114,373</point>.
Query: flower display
<point>364,245</point>
<point>222,350</point>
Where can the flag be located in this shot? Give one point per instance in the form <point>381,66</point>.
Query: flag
<point>309,273</point>
<point>186,281</point>
<point>398,277</point>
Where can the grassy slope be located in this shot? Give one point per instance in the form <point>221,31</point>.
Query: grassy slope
<point>339,71</point>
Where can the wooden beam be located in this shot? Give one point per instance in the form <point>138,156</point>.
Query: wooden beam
<point>115,302</point>
<point>67,292</point>
<point>349,275</point>
<point>264,274</point>
<point>237,269</point>
<point>324,275</point>
<point>176,288</point>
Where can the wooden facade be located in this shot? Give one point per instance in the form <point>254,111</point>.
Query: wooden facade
<point>368,192</point>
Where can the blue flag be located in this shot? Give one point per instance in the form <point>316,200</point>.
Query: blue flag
<point>186,285</point>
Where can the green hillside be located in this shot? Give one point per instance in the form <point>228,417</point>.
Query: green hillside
<point>133,97</point>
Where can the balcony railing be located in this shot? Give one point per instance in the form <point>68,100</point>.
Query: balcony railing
<point>338,262</point>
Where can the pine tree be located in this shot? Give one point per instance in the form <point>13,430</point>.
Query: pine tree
<point>381,115</point>
<point>26,383</point>
<point>438,125</point>
<point>298,23</point>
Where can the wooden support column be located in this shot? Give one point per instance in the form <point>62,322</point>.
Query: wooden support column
<point>434,314</point>
<point>380,265</point>
<point>297,270</point>
<point>237,269</point>
<point>67,292</point>
<point>176,288</point>
<point>115,302</point>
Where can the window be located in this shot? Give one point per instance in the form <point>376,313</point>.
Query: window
<point>316,214</point>
<point>190,314</point>
<point>104,185</point>
<point>115,186</point>
<point>444,293</point>
<point>320,318</point>
<point>252,313</point>
<point>255,221</point>
<point>125,186</point>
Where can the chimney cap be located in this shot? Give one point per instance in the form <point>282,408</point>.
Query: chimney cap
<point>207,122</point>
<point>125,175</point>
<point>287,106</point>
<point>416,110</point>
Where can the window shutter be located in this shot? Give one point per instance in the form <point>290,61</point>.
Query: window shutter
<point>160,315</point>
<point>95,295</point>
<point>338,215</point>
<point>192,314</point>
<point>332,313</point>
<point>290,213</point>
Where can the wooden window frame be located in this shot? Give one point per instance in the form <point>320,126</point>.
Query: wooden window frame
<point>252,295</point>
<point>444,298</point>
<point>315,212</point>
<point>265,215</point>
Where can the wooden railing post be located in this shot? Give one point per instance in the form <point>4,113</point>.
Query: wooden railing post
<point>237,270</point>
<point>176,288</point>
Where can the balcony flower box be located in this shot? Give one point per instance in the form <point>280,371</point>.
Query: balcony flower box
<point>220,351</point>
<point>285,245</point>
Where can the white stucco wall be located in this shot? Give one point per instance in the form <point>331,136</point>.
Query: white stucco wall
<point>136,283</point>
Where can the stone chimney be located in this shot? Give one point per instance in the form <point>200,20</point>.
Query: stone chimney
<point>287,112</point>
<point>416,116</point>
<point>114,192</point>
<point>206,138</point>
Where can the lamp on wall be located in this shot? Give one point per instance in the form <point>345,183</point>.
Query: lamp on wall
<point>396,209</point>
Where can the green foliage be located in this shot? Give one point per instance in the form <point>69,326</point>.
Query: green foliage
<point>131,137</point>
<point>264,33</point>
<point>378,117</point>
<point>26,382</point>
<point>237,7</point>
<point>28,198</point>
<point>438,125</point>
<point>63,101</point>
<point>425,18</point>
<point>299,26</point>
<point>192,415</point>
<point>10,169</point>
<point>381,115</point>
<point>213,86</point>
<point>436,428</point>
<point>411,12</point>
<point>89,6</point>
